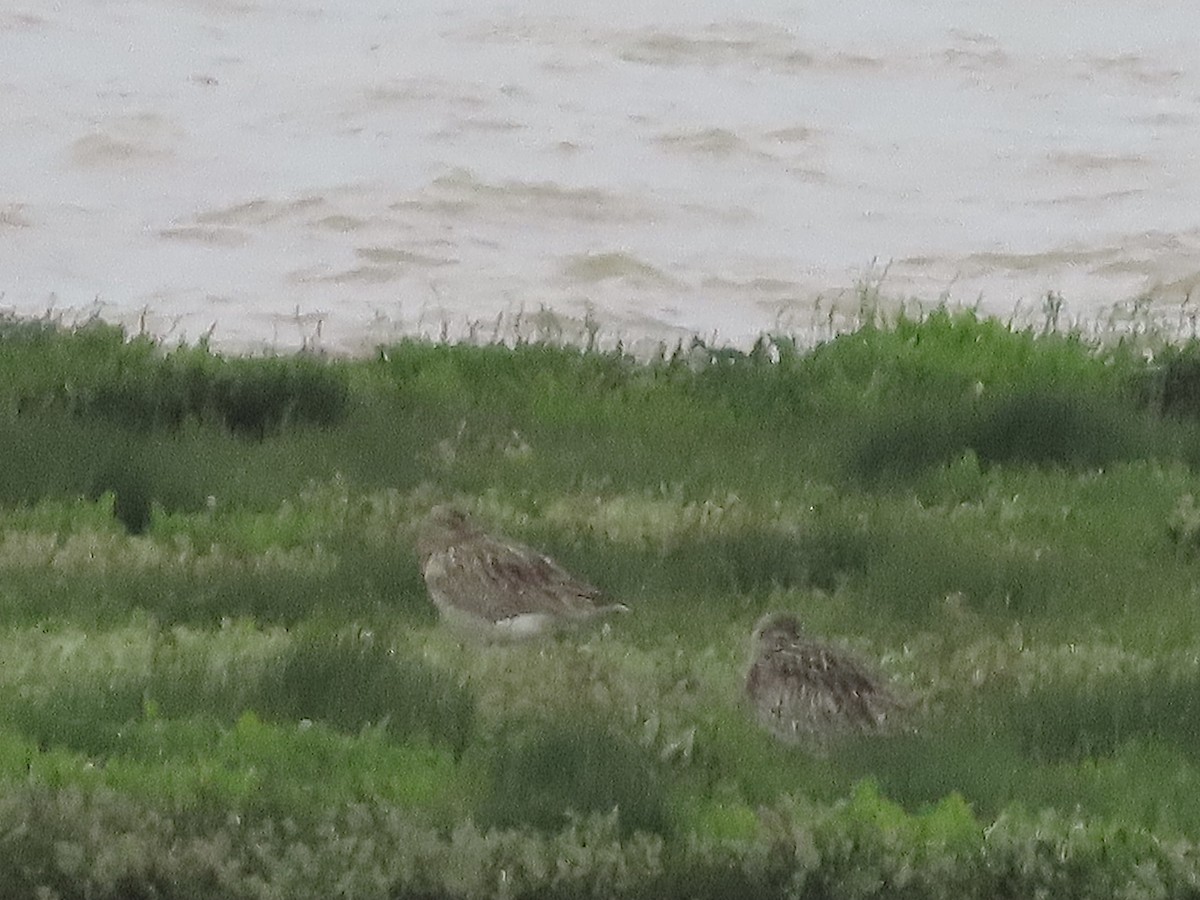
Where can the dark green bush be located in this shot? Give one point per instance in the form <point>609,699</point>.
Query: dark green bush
<point>754,560</point>
<point>1033,427</point>
<point>543,776</point>
<point>1171,383</point>
<point>1057,721</point>
<point>353,680</point>
<point>253,398</point>
<point>93,371</point>
<point>1048,428</point>
<point>911,572</point>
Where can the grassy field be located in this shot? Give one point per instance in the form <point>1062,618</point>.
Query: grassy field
<point>220,674</point>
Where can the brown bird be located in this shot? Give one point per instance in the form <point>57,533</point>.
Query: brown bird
<point>804,691</point>
<point>496,588</point>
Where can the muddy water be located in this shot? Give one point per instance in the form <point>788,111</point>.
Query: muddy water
<point>339,172</point>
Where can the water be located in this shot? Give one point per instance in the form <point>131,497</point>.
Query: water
<point>340,172</point>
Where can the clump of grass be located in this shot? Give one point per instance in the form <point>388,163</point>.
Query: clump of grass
<point>1034,427</point>
<point>200,568</point>
<point>720,548</point>
<point>1047,428</point>
<point>1171,383</point>
<point>542,778</point>
<point>354,680</point>
<point>252,398</point>
<point>281,587</point>
<point>1183,525</point>
<point>93,371</point>
<point>910,573</point>
<point>921,393</point>
<point>951,354</point>
<point>944,757</point>
<point>350,680</point>
<point>209,771</point>
<point>1074,721</point>
<point>129,490</point>
<point>754,560</point>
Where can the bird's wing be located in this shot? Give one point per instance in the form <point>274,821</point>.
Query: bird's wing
<point>501,579</point>
<point>833,686</point>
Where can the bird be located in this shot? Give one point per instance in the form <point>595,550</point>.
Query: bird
<point>493,587</point>
<point>804,691</point>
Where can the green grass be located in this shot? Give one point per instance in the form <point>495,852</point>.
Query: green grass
<point>563,770</point>
<point>220,673</point>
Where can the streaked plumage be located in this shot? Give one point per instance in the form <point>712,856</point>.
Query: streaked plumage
<point>804,691</point>
<point>497,588</point>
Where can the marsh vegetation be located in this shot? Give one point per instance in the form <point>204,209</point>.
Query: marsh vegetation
<point>222,674</point>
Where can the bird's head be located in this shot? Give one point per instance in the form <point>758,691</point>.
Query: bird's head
<point>441,528</point>
<point>777,630</point>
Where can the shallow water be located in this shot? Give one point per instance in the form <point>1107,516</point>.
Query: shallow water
<point>342,171</point>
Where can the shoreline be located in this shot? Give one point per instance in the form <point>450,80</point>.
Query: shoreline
<point>806,324</point>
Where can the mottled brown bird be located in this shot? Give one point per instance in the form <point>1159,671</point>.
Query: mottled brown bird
<point>804,691</point>
<point>496,588</point>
